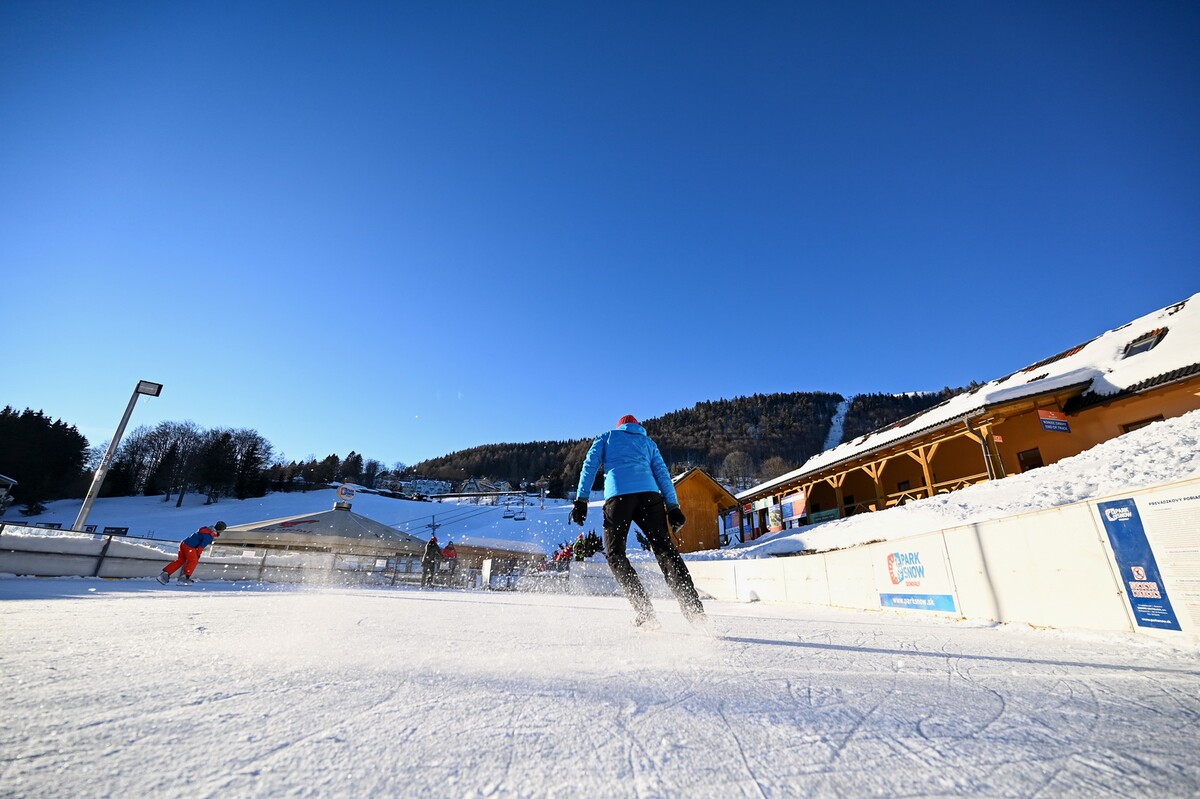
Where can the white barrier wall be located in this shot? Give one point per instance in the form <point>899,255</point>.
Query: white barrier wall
<point>38,552</point>
<point>1046,569</point>
<point>1126,562</point>
<point>1052,568</point>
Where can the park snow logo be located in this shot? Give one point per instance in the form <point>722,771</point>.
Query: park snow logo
<point>905,566</point>
<point>1118,514</point>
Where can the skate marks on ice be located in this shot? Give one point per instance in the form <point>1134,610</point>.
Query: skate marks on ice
<point>346,693</point>
<point>947,720</point>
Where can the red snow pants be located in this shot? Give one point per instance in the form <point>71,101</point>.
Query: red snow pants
<point>188,558</point>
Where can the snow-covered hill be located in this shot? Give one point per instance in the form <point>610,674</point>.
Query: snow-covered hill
<point>456,520</point>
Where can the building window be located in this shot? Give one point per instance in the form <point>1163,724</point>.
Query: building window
<point>1030,459</point>
<point>1129,428</point>
<point>1144,343</point>
<point>903,485</point>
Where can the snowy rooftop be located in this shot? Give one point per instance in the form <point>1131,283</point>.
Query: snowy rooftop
<point>1101,365</point>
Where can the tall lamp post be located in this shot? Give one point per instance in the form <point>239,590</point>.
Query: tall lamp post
<point>143,387</point>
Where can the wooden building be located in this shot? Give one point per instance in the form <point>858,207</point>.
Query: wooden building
<point>1142,372</point>
<point>703,501</point>
<point>474,550</point>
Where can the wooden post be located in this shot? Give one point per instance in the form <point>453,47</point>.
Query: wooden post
<point>875,470</point>
<point>836,481</point>
<point>981,438</point>
<point>923,458</point>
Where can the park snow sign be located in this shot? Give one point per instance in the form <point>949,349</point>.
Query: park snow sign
<point>914,575</point>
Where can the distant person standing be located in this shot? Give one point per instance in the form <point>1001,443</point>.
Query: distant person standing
<point>636,486</point>
<point>451,556</point>
<point>189,554</point>
<point>430,561</point>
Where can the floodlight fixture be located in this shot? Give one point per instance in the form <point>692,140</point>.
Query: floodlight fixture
<point>143,387</point>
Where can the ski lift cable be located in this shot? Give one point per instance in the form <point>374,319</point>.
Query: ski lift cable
<point>450,518</point>
<point>458,509</point>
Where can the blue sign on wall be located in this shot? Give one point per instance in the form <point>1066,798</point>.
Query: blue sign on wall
<point>1139,570</point>
<point>1054,421</point>
<point>943,602</point>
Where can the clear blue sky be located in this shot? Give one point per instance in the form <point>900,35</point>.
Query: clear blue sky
<point>407,229</point>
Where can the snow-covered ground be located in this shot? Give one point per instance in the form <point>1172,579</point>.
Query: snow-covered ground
<point>837,425</point>
<point>127,688</point>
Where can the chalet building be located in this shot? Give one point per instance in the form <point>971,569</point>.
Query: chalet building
<point>703,501</point>
<point>476,485</point>
<point>1140,373</point>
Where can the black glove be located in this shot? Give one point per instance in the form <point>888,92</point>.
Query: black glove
<point>675,517</point>
<point>579,511</point>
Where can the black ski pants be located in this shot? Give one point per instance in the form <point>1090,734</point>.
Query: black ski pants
<point>647,510</point>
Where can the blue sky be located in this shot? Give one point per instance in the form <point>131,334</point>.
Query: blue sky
<point>406,229</point>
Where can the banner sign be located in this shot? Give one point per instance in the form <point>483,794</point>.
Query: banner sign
<point>793,506</point>
<point>1144,588</point>
<point>913,576</point>
<point>1054,421</point>
<point>775,519</point>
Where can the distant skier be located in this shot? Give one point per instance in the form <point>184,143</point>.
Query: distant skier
<point>636,485</point>
<point>430,561</point>
<point>189,554</point>
<point>451,556</point>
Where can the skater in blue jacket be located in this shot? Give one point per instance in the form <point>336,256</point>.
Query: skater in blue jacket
<point>637,488</point>
<point>189,554</point>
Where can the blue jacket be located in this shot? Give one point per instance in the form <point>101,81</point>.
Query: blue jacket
<point>201,538</point>
<point>632,464</point>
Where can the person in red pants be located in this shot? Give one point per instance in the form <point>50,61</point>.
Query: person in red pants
<point>189,554</point>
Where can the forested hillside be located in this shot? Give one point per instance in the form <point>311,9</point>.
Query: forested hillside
<point>870,412</point>
<point>740,438</point>
<point>743,440</point>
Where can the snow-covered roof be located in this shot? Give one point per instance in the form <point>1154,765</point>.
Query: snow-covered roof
<point>1099,368</point>
<point>701,472</point>
<point>341,524</point>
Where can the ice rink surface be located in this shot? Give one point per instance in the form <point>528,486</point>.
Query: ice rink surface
<point>126,688</point>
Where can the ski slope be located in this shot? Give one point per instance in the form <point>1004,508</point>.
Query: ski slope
<point>126,688</point>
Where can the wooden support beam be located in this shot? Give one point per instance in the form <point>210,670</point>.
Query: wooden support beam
<point>875,470</point>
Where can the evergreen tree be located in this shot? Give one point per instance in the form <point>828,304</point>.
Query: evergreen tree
<point>217,466</point>
<point>352,468</point>
<point>46,457</point>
